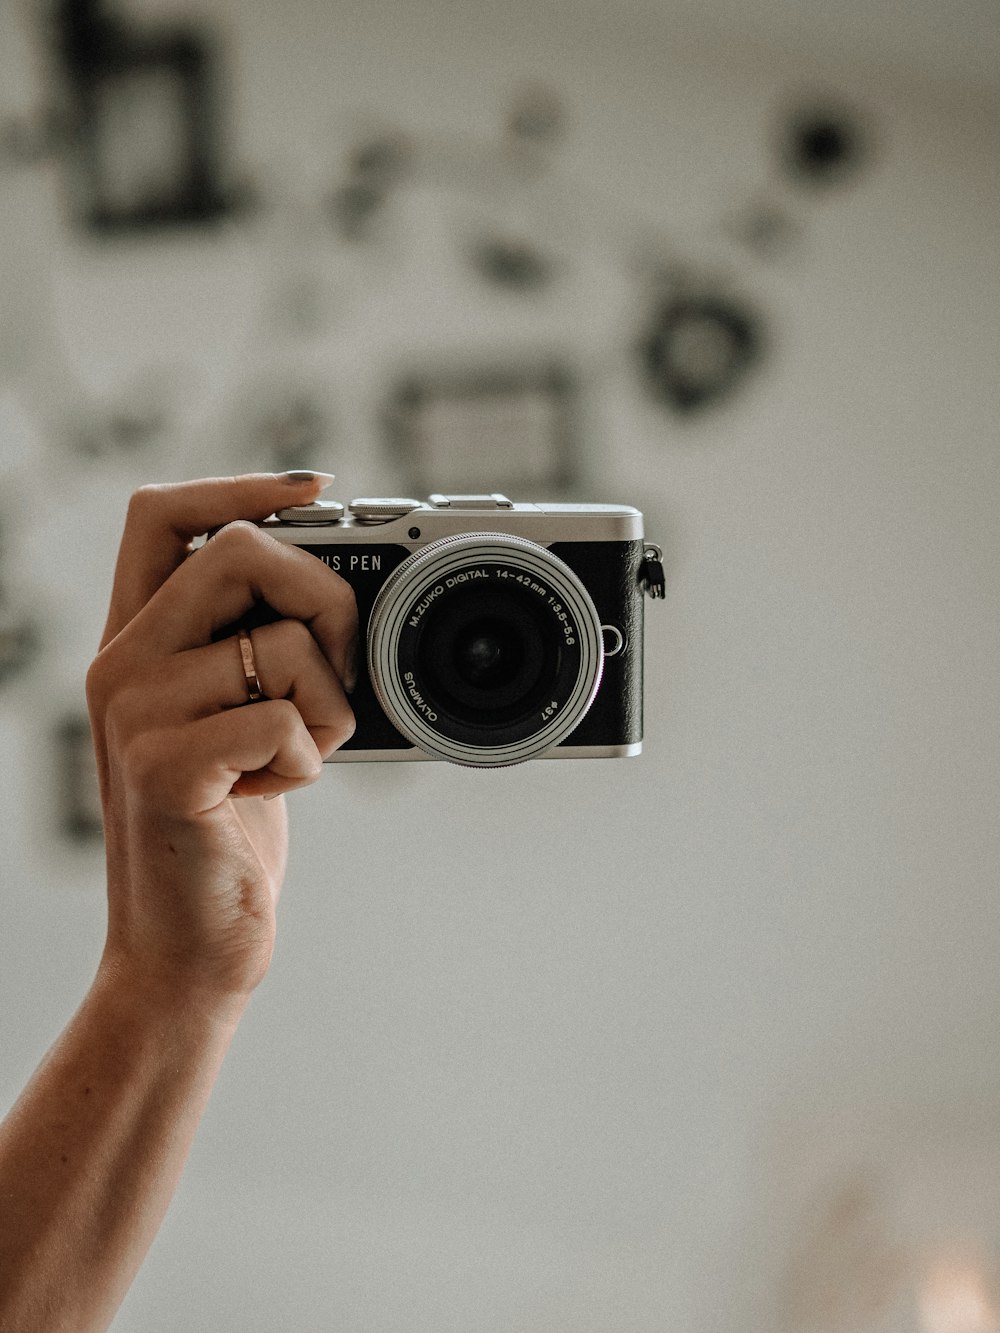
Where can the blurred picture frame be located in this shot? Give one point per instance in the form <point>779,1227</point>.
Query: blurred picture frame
<point>513,429</point>
<point>146,151</point>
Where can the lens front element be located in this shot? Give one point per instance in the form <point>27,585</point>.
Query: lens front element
<point>485,649</point>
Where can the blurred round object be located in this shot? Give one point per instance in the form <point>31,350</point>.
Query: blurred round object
<point>766,227</point>
<point>384,157</point>
<point>536,114</point>
<point>697,349</point>
<point>515,264</point>
<point>376,165</point>
<point>822,145</point>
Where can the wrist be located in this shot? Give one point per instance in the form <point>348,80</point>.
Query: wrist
<point>168,999</point>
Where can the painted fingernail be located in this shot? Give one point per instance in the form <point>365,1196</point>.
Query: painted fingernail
<point>299,476</point>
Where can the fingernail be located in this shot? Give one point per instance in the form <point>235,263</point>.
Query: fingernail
<point>271,795</point>
<point>299,476</point>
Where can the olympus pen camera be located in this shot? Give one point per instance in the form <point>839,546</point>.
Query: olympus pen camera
<point>496,632</point>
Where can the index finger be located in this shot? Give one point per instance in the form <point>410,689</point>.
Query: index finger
<point>163,520</point>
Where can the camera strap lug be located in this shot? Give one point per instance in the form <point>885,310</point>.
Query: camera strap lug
<point>652,579</point>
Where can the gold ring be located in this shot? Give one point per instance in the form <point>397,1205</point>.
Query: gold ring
<point>250,668</point>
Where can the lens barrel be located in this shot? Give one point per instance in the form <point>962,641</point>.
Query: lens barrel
<point>485,649</point>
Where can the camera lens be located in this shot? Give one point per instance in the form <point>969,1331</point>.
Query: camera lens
<point>485,649</point>
<point>483,657</point>
<point>488,654</point>
<point>490,657</point>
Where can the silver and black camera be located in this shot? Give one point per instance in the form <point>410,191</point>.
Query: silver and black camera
<point>496,632</point>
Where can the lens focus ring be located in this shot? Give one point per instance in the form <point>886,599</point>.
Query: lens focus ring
<point>485,649</point>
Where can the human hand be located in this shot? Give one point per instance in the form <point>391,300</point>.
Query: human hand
<point>196,854</point>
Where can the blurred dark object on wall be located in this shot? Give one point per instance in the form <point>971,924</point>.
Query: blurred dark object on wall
<point>766,226</point>
<point>28,140</point>
<point>375,168</point>
<point>144,103</point>
<point>698,348</point>
<point>511,263</point>
<point>537,115</point>
<point>80,818</point>
<point>821,145</point>
<point>20,640</point>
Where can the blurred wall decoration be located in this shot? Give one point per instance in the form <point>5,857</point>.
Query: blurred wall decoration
<point>142,135</point>
<point>522,421</point>
<point>80,798</point>
<point>131,110</point>
<point>701,1042</point>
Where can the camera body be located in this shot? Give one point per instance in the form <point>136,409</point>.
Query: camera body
<point>495,632</point>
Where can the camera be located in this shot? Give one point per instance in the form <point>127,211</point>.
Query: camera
<point>496,632</point>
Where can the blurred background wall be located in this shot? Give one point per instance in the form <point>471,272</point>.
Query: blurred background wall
<point>701,1041</point>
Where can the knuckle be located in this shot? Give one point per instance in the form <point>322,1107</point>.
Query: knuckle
<point>348,726</point>
<point>344,590</point>
<point>237,540</point>
<point>343,599</point>
<point>144,500</point>
<point>106,682</point>
<point>286,716</point>
<point>335,583</point>
<point>337,731</point>
<point>293,637</point>
<point>96,682</point>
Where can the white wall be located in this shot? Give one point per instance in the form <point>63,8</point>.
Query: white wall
<point>575,1047</point>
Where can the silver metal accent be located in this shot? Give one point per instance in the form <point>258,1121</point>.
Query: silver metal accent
<point>629,751</point>
<point>494,501</point>
<point>320,511</point>
<point>624,751</point>
<point>430,566</point>
<point>543,523</point>
<point>382,510</point>
<point>614,640</point>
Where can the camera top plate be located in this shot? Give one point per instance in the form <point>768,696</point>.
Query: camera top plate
<point>408,521</point>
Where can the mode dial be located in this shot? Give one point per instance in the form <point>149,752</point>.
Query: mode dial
<point>320,511</point>
<point>382,510</point>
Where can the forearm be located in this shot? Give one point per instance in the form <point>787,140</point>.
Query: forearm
<point>91,1153</point>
